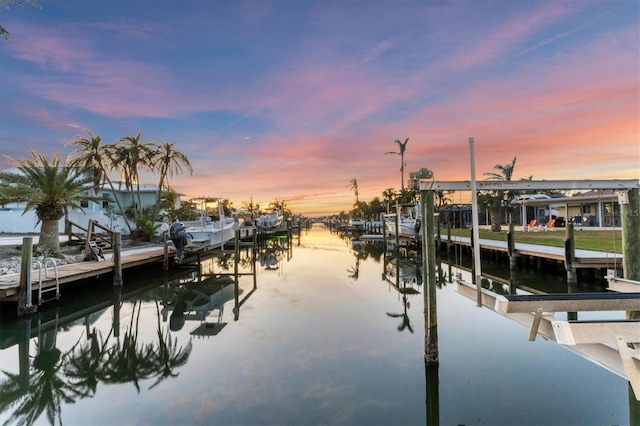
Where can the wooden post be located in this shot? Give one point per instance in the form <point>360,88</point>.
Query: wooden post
<point>439,237</point>
<point>236,249</point>
<point>449,242</point>
<point>384,230</point>
<point>397,219</point>
<point>630,213</point>
<point>165,259</point>
<point>24,296</point>
<point>24,340</point>
<point>473,263</point>
<point>433,394</point>
<point>87,246</point>
<point>253,257</point>
<point>117,259</point>
<point>429,265</point>
<point>117,303</point>
<point>511,246</point>
<point>570,254</point>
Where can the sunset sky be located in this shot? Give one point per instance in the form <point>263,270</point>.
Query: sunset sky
<point>292,99</point>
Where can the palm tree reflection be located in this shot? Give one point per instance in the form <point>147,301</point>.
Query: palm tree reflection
<point>46,390</point>
<point>56,378</point>
<point>406,322</point>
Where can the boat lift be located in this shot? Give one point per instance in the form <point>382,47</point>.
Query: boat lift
<point>612,344</point>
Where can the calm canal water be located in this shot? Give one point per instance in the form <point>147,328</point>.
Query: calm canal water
<point>320,334</point>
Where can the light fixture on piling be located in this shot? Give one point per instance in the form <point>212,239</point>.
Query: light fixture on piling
<point>415,177</point>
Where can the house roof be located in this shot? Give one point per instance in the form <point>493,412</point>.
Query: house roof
<point>120,186</point>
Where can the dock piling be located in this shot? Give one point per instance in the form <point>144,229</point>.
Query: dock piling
<point>570,254</point>
<point>165,243</point>
<point>511,247</point>
<point>117,258</point>
<point>25,293</point>
<point>429,265</point>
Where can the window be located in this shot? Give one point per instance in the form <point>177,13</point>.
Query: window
<point>105,204</point>
<point>84,204</point>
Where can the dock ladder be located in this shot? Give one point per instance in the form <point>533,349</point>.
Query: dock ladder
<point>44,266</point>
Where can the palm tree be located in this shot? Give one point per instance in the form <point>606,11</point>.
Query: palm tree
<point>375,207</point>
<point>506,171</point>
<point>92,155</point>
<point>442,197</point>
<point>50,189</point>
<point>169,162</point>
<point>281,206</point>
<point>495,200</point>
<point>388,195</point>
<point>168,199</point>
<point>402,146</point>
<point>5,3</point>
<point>353,184</point>
<point>250,207</point>
<point>135,154</point>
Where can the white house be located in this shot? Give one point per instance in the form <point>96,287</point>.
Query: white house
<point>105,211</point>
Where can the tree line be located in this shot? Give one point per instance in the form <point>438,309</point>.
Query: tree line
<point>495,202</point>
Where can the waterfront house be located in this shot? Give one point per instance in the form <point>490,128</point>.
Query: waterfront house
<point>105,211</point>
<point>594,208</point>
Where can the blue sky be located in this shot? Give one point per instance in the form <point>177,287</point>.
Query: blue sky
<point>292,99</point>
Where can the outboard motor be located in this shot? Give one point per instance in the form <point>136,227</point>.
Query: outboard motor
<point>178,235</point>
<point>418,225</point>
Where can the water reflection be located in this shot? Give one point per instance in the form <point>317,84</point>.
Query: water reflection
<point>361,251</point>
<point>201,301</point>
<point>51,377</point>
<point>403,273</point>
<point>54,377</point>
<point>314,346</point>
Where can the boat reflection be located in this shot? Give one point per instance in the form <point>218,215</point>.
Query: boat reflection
<point>404,274</point>
<point>202,302</point>
<point>272,252</point>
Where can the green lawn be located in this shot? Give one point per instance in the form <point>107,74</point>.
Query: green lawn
<point>608,241</point>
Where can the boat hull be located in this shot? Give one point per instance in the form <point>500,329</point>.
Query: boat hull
<point>407,228</point>
<point>209,236</point>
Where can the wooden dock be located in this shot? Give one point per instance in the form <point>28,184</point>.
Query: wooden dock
<point>130,258</point>
<point>584,258</point>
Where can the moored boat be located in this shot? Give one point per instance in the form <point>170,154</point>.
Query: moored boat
<point>270,220</point>
<point>208,233</point>
<point>205,233</point>
<point>408,223</point>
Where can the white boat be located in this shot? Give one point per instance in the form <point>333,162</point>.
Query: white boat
<point>207,233</point>
<point>408,221</point>
<point>270,220</point>
<point>356,223</point>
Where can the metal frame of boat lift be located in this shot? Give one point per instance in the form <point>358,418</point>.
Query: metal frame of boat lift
<point>589,339</point>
